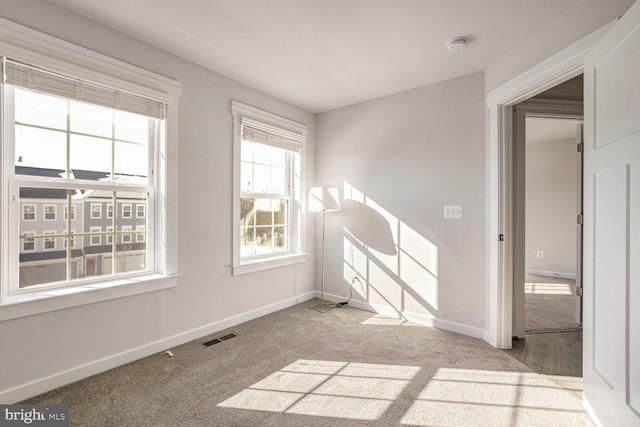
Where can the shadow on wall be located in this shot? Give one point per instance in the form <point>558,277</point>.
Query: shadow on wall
<point>395,266</point>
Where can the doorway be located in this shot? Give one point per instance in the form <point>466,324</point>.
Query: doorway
<point>547,186</point>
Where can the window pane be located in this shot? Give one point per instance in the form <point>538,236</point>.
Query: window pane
<point>90,119</point>
<point>40,110</point>
<point>262,179</point>
<point>246,177</point>
<point>131,159</point>
<point>90,154</point>
<point>131,127</point>
<point>42,266</point>
<point>40,148</point>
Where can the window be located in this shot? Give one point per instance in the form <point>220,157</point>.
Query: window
<point>73,212</point>
<point>49,212</point>
<point>110,210</point>
<point>95,239</point>
<point>126,211</point>
<point>28,212</point>
<point>267,189</point>
<point>49,240</point>
<point>28,241</point>
<point>140,211</point>
<point>96,210</point>
<point>81,130</point>
<point>140,234</point>
<point>126,234</point>
<point>109,236</point>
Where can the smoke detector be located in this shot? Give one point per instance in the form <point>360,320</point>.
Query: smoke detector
<point>456,45</point>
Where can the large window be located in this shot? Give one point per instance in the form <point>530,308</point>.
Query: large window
<point>267,152</point>
<point>79,140</point>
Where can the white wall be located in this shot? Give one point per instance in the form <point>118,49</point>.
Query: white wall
<point>207,297</point>
<point>551,198</point>
<point>400,159</point>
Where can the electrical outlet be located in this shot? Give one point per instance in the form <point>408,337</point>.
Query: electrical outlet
<point>453,211</point>
<point>540,254</point>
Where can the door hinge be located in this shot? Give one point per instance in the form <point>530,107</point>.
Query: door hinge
<point>580,147</point>
<point>579,291</point>
<point>501,237</point>
<point>580,219</point>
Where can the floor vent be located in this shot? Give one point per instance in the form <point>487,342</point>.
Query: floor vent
<point>219,339</point>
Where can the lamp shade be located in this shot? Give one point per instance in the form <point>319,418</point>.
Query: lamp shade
<point>322,199</point>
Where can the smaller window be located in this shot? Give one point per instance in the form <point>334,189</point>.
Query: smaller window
<point>110,230</point>
<point>49,212</point>
<point>110,210</point>
<point>49,241</point>
<point>141,211</point>
<point>71,238</point>
<point>95,240</point>
<point>28,212</point>
<point>73,212</point>
<point>140,236</point>
<point>126,211</point>
<point>28,242</point>
<point>126,238</point>
<point>96,210</point>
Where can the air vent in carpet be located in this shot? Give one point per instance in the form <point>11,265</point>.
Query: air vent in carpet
<point>219,339</point>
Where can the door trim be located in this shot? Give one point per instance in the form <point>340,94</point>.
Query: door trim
<point>557,69</point>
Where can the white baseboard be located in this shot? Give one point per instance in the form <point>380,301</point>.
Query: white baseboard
<point>420,319</point>
<point>570,276</point>
<point>43,385</point>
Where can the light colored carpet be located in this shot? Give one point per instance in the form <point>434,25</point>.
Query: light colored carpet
<point>347,367</point>
<point>549,304</point>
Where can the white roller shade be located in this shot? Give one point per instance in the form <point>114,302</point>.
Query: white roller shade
<point>40,80</point>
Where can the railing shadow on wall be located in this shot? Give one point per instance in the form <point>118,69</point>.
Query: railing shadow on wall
<point>395,268</point>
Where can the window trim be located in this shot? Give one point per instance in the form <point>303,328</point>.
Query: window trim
<point>297,218</point>
<point>31,46</point>
<point>125,205</point>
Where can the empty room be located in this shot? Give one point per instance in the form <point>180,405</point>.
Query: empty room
<point>319,212</point>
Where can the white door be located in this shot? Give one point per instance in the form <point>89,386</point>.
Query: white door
<point>612,224</point>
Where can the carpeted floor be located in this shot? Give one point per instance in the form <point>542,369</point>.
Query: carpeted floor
<point>347,367</point>
<point>549,304</point>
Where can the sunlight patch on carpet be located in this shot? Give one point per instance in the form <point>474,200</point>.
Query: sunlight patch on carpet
<point>360,391</point>
<point>455,396</point>
<point>548,288</point>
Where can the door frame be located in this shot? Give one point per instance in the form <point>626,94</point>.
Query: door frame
<point>546,108</point>
<point>557,69</point>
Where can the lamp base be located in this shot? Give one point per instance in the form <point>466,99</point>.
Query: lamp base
<point>323,308</point>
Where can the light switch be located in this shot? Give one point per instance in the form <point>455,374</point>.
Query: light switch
<point>453,211</point>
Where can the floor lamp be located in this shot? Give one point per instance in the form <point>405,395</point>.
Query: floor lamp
<point>323,199</point>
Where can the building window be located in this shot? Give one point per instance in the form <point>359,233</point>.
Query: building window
<point>96,210</point>
<point>267,186</point>
<point>126,233</point>
<point>28,212</point>
<point>49,240</point>
<point>140,211</point>
<point>49,212</point>
<point>28,241</point>
<point>73,212</point>
<point>140,235</point>
<point>110,235</point>
<point>110,210</point>
<point>95,239</point>
<point>126,211</point>
<point>70,238</point>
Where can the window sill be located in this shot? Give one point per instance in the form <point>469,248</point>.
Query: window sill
<point>28,304</point>
<point>256,265</point>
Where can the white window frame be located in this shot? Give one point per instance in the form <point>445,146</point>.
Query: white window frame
<point>98,210</point>
<point>73,211</point>
<point>73,240</point>
<point>143,208</point>
<point>35,212</point>
<point>33,47</point>
<point>110,235</point>
<point>44,212</point>
<point>47,236</point>
<point>243,113</point>
<point>32,234</point>
<point>109,210</point>
<point>130,210</point>
<point>125,237</point>
<point>140,233</point>
<point>95,229</point>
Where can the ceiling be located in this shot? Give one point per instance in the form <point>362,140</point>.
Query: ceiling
<point>325,54</point>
